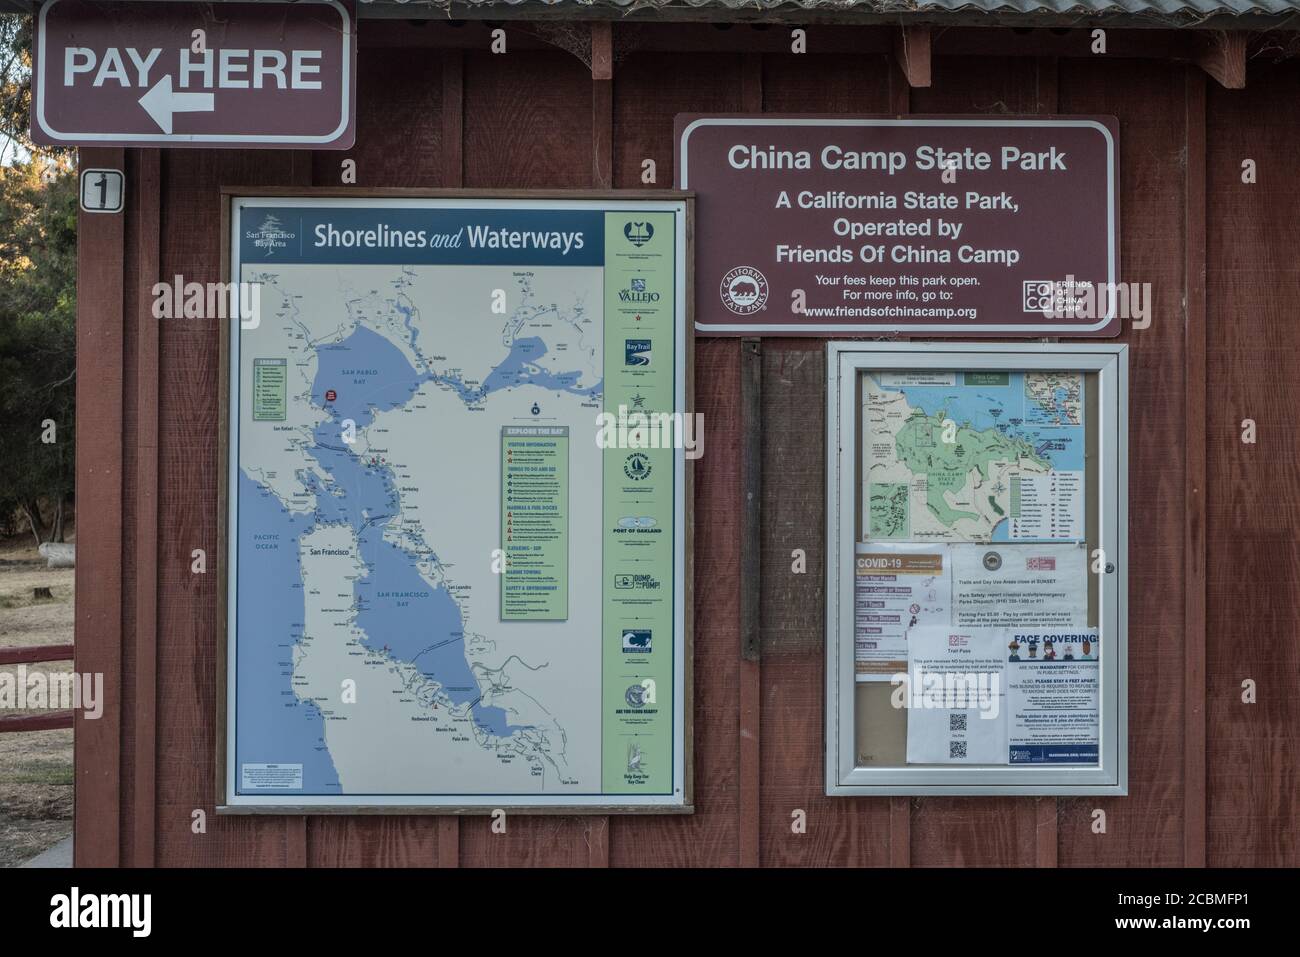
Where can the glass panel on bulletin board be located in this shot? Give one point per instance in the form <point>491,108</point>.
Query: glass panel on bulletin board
<point>976,638</point>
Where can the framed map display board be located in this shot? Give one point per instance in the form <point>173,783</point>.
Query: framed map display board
<point>457,559</point>
<point>976,622</point>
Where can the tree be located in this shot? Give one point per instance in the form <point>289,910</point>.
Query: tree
<point>15,82</point>
<point>38,275</point>
<point>38,266</point>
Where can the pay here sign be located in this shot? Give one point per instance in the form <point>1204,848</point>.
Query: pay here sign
<point>272,75</point>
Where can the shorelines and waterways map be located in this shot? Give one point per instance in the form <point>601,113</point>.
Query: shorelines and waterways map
<point>429,538</point>
<point>973,456</point>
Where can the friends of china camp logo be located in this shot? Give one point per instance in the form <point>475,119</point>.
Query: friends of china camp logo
<point>271,235</point>
<point>744,290</point>
<point>636,352</point>
<point>638,234</point>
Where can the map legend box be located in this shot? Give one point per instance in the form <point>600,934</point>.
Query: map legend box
<point>270,390</point>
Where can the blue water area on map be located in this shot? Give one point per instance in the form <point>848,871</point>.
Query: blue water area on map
<point>1001,407</point>
<point>367,373</point>
<point>399,612</point>
<point>359,492</point>
<point>1039,415</point>
<point>408,319</point>
<point>519,368</point>
<point>272,724</point>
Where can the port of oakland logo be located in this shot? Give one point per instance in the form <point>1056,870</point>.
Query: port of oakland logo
<point>637,467</point>
<point>744,290</point>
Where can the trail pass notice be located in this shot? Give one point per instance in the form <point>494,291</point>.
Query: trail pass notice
<point>919,226</point>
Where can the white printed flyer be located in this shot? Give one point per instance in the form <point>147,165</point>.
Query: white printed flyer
<point>956,696</point>
<point>896,587</point>
<point>1020,586</point>
<point>1053,696</point>
<point>1003,696</point>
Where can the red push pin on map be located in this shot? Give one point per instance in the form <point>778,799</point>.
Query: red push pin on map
<point>330,395</point>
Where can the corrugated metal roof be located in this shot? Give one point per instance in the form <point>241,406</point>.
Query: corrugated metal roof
<point>1173,12</point>
<point>1185,10</point>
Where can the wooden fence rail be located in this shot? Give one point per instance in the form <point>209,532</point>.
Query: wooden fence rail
<point>49,721</point>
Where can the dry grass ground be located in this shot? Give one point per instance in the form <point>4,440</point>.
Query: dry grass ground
<point>35,766</point>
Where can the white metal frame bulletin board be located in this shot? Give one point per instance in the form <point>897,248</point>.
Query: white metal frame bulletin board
<point>1099,373</point>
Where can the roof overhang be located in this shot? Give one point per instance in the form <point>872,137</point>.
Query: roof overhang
<point>1195,14</point>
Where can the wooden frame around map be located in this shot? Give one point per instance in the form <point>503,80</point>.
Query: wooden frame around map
<point>228,194</point>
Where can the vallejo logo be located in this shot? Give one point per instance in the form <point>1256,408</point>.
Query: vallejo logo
<point>744,290</point>
<point>638,292</point>
<point>76,909</point>
<point>638,234</point>
<point>636,352</point>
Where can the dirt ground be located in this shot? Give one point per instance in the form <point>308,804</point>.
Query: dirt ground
<point>35,766</point>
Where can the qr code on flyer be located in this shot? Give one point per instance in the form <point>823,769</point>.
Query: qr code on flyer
<point>957,722</point>
<point>956,749</point>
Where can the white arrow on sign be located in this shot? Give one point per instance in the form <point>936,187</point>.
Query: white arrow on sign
<point>160,103</point>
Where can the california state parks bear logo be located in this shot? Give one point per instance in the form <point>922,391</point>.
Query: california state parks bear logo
<point>744,290</point>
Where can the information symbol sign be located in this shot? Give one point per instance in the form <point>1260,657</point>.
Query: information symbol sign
<point>102,190</point>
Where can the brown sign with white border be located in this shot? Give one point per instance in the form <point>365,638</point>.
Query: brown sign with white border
<point>272,75</point>
<point>917,226</point>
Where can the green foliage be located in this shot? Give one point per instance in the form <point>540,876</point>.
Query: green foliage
<point>15,80</point>
<point>38,275</point>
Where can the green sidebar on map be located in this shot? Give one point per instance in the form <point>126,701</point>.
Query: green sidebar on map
<point>973,456</point>
<point>444,589</point>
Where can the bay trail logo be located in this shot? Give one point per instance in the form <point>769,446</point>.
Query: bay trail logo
<point>744,290</point>
<point>638,234</point>
<point>75,909</point>
<point>271,235</point>
<point>636,352</point>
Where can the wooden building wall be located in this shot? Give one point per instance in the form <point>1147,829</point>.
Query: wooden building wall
<point>1215,574</point>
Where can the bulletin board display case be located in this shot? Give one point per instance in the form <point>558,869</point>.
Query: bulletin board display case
<point>976,583</point>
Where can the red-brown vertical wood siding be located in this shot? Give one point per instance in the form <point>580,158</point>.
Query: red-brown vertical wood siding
<point>1214,571</point>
